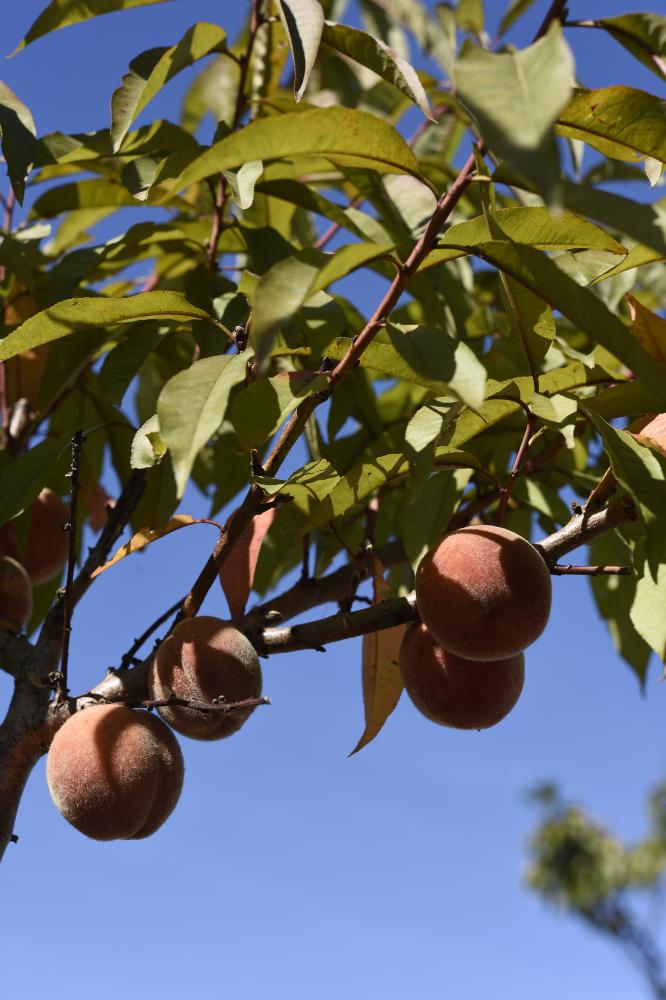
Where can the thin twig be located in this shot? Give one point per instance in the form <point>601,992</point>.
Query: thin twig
<point>222,707</point>
<point>507,489</point>
<point>77,444</point>
<point>556,12</point>
<point>129,656</point>
<point>564,570</point>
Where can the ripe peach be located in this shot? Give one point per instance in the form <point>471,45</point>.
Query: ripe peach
<point>15,595</point>
<point>47,548</point>
<point>464,694</point>
<point>115,773</point>
<point>484,592</point>
<point>205,658</point>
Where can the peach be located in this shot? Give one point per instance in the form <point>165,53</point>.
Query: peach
<point>205,658</point>
<point>115,773</point>
<point>484,592</point>
<point>463,694</point>
<point>47,548</point>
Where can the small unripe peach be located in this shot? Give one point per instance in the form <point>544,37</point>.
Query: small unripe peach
<point>15,595</point>
<point>47,548</point>
<point>463,694</point>
<point>484,592</point>
<point>115,773</point>
<point>205,658</point>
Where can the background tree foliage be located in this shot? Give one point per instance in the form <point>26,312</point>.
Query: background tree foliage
<point>515,360</point>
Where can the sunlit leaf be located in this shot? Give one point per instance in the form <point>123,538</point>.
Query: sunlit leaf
<point>62,13</point>
<point>146,537</point>
<point>620,122</point>
<point>303,21</point>
<point>17,139</point>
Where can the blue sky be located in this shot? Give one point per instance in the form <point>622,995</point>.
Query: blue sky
<point>287,869</point>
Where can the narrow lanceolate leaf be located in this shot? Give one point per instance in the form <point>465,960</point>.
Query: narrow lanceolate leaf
<point>151,70</point>
<point>260,408</point>
<point>382,680</point>
<point>62,13</point>
<point>22,480</point>
<point>647,609</point>
<point>192,405</point>
<point>643,34</point>
<point>345,136</point>
<point>533,226</point>
<point>423,355</point>
<point>531,319</point>
<point>620,122</point>
<point>18,139</point>
<point>286,286</point>
<point>303,21</point>
<point>77,315</point>
<point>649,329</point>
<point>380,58</point>
<point>237,571</point>
<point>146,536</point>
<point>534,270</point>
<point>516,98</point>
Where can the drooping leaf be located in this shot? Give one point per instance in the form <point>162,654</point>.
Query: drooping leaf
<point>531,226</point>
<point>62,13</point>
<point>345,136</point>
<point>424,355</point>
<point>151,70</point>
<point>380,58</point>
<point>647,608</point>
<point>192,406</point>
<point>649,329</point>
<point>642,34</point>
<point>303,21</point>
<point>534,270</point>
<point>531,319</point>
<point>516,98</point>
<point>620,122</point>
<point>18,139</point>
<point>286,286</point>
<point>436,39</point>
<point>382,680</point>
<point>614,596</point>
<point>653,433</point>
<point>237,571</point>
<point>515,9</point>
<point>242,182</point>
<point>260,409</point>
<point>21,482</point>
<point>146,536</point>
<point>74,315</point>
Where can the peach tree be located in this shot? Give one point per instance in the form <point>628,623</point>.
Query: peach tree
<point>512,370</point>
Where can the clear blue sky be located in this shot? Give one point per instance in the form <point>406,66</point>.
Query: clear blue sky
<point>288,870</point>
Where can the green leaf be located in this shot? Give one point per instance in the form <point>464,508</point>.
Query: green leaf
<point>18,142</point>
<point>22,480</point>
<point>534,270</point>
<point>647,609</point>
<point>148,447</point>
<point>642,34</point>
<point>642,472</point>
<point>123,362</point>
<point>303,21</point>
<point>431,36</point>
<point>614,596</point>
<point>62,13</point>
<point>75,196</point>
<point>151,70</point>
<point>424,355</point>
<point>286,286</point>
<point>380,58</point>
<point>537,227</point>
<point>620,122</point>
<point>516,98</point>
<point>424,519</point>
<point>78,315</point>
<point>348,137</point>
<point>531,318</point>
<point>260,409</point>
<point>515,10</point>
<point>242,182</point>
<point>192,405</point>
<point>469,15</point>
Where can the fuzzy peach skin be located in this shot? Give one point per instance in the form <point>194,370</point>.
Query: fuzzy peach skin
<point>463,694</point>
<point>205,658</point>
<point>115,773</point>
<point>484,592</point>
<point>15,595</point>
